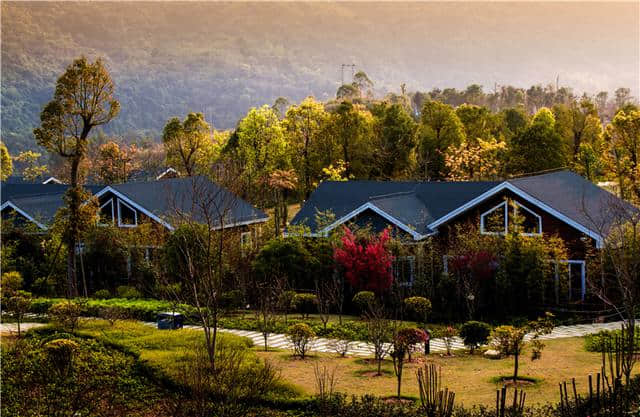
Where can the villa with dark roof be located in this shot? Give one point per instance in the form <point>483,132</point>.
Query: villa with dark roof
<point>130,204</point>
<point>559,203</point>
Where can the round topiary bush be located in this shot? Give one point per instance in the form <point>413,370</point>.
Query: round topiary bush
<point>102,294</point>
<point>305,303</point>
<point>474,334</point>
<point>364,300</point>
<point>419,308</point>
<point>301,336</point>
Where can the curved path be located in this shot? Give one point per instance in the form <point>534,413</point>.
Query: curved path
<point>362,349</point>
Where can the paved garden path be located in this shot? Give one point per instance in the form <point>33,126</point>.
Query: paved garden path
<point>362,349</point>
<point>280,341</point>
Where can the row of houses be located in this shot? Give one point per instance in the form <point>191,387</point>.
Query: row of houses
<point>560,203</point>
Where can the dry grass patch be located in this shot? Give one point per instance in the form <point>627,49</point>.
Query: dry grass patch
<point>471,377</point>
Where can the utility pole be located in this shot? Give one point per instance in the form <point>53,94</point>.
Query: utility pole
<point>342,67</point>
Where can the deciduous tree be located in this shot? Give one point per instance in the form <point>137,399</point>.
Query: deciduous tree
<point>184,141</point>
<point>83,99</point>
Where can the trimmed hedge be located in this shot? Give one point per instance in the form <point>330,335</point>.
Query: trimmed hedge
<point>144,310</point>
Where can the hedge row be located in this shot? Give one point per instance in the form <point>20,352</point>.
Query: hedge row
<point>144,310</point>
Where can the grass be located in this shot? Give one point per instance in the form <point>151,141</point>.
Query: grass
<point>472,378</point>
<point>165,349</point>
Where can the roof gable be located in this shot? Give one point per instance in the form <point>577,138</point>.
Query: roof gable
<point>424,206</point>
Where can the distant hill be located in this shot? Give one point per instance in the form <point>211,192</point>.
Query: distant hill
<point>222,58</point>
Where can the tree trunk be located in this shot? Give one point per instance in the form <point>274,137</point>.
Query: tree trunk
<point>74,213</point>
<point>515,369</point>
<point>399,378</point>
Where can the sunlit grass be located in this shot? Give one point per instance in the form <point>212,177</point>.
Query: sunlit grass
<point>471,377</point>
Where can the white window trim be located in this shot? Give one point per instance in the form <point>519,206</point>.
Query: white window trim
<point>135,215</point>
<point>412,270</point>
<point>517,207</point>
<point>109,189</point>
<point>508,186</point>
<point>506,219</point>
<point>583,274</point>
<point>113,217</point>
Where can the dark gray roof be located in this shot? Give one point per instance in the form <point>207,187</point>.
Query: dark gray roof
<point>575,197</point>
<point>415,204</point>
<point>40,201</point>
<point>162,198</point>
<point>419,204</point>
<point>168,198</point>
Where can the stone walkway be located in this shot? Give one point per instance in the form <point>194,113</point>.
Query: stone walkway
<point>362,349</point>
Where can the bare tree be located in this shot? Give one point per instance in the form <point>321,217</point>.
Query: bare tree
<point>614,275</point>
<point>201,245</point>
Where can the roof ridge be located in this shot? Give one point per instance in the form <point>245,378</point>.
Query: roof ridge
<point>399,193</point>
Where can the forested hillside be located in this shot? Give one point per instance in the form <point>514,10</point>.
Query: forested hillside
<point>222,58</point>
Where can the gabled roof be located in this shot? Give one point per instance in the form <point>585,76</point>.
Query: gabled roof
<point>157,199</point>
<point>162,199</point>
<point>423,206</point>
<point>38,202</point>
<point>414,204</point>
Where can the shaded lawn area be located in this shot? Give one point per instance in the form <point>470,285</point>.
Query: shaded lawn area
<point>165,349</point>
<point>468,376</point>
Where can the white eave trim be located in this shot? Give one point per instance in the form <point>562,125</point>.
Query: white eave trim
<point>377,210</point>
<point>517,191</point>
<point>166,171</point>
<point>52,180</point>
<point>22,213</point>
<point>132,203</point>
<point>243,223</point>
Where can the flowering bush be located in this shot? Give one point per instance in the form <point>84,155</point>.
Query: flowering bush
<point>366,262</point>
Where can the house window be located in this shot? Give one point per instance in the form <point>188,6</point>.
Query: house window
<point>495,220</point>
<point>570,279</point>
<point>530,223</point>
<point>127,215</point>
<point>245,241</point>
<point>107,215</point>
<point>404,270</point>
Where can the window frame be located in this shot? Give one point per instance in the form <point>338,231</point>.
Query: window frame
<point>135,215</point>
<point>113,214</point>
<point>412,270</point>
<point>517,207</point>
<point>506,219</point>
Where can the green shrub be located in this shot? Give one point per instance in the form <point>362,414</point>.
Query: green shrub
<point>56,375</point>
<point>305,303</point>
<point>102,294</point>
<point>364,300</point>
<point>474,334</point>
<point>343,337</point>
<point>419,308</point>
<point>11,282</point>
<point>125,291</point>
<point>301,336</point>
<point>597,342</point>
<point>66,314</point>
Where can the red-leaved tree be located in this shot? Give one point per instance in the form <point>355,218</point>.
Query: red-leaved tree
<point>366,262</point>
